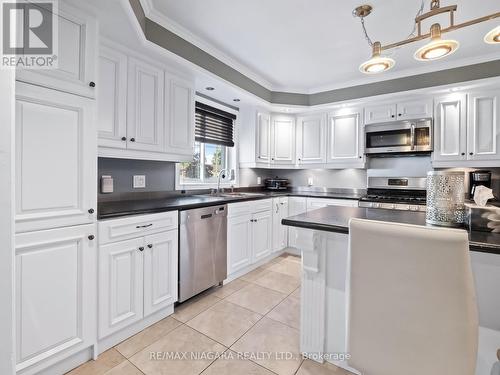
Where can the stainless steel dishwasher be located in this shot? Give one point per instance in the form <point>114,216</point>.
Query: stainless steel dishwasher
<point>202,249</point>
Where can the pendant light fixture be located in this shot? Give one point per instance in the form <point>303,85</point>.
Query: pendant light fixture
<point>493,37</point>
<point>436,49</point>
<point>377,63</point>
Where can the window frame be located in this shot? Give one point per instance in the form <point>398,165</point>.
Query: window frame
<point>231,154</point>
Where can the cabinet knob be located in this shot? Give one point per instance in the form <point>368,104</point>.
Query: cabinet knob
<point>141,248</point>
<point>150,246</point>
<point>91,211</point>
<point>463,153</point>
<point>124,138</point>
<point>399,114</point>
<point>471,153</point>
<point>393,116</point>
<point>360,157</point>
<point>132,139</point>
<point>91,237</point>
<point>92,84</point>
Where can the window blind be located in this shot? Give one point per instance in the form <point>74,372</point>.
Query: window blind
<point>213,125</point>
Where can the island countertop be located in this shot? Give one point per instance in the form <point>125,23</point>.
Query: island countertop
<point>336,219</point>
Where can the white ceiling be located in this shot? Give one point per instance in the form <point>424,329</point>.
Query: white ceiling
<point>315,45</point>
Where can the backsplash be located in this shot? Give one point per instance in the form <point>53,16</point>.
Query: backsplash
<point>160,175</point>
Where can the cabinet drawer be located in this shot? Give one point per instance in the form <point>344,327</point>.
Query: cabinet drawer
<point>238,209</point>
<point>136,226</point>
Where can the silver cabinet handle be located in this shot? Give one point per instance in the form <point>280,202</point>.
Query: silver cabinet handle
<point>144,226</point>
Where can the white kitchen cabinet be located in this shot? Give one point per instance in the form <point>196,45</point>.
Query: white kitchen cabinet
<point>282,140</point>
<point>450,128</point>
<point>405,110</point>
<point>414,109</point>
<point>311,136</point>
<point>280,231</point>
<point>145,117</point>
<point>55,159</point>
<point>179,116</point>
<point>263,143</point>
<point>239,242</point>
<point>137,269</point>
<point>296,206</point>
<point>380,113</point>
<point>112,98</point>
<point>160,271</point>
<point>345,137</point>
<point>120,285</point>
<point>483,128</point>
<point>261,233</point>
<point>55,295</point>
<point>76,55</point>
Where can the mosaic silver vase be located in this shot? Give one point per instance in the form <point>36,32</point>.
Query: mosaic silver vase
<point>445,198</point>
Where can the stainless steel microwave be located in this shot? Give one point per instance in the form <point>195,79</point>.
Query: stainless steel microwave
<point>399,137</point>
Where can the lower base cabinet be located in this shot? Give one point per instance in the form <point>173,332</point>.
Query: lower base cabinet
<point>249,236</point>
<point>137,277</point>
<point>55,295</point>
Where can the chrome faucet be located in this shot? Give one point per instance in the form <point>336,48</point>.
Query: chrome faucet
<point>222,174</point>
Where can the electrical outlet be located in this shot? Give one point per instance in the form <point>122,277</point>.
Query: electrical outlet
<point>139,182</point>
<point>310,181</point>
<point>259,180</point>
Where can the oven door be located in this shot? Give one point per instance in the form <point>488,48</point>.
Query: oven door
<point>400,137</point>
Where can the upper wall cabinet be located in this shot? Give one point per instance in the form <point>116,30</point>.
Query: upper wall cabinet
<point>76,56</point>
<point>450,128</point>
<point>405,110</point>
<point>282,140</point>
<point>112,98</point>
<point>179,116</point>
<point>483,130</point>
<point>345,140</point>
<point>145,106</point>
<point>311,136</point>
<point>55,159</point>
<point>144,112</point>
<point>263,138</point>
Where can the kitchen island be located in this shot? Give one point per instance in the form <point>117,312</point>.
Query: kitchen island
<point>322,237</point>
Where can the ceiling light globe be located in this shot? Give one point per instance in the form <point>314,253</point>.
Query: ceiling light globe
<point>377,64</point>
<point>436,49</point>
<point>493,37</point>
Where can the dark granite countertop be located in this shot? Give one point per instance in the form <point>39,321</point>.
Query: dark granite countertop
<point>117,208</point>
<point>336,219</point>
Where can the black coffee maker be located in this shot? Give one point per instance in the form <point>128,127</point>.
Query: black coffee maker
<point>477,178</point>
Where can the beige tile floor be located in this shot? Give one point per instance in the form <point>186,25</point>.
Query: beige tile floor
<point>225,328</point>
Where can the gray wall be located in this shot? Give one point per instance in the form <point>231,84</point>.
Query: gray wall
<point>160,175</point>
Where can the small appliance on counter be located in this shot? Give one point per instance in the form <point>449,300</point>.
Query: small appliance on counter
<point>445,198</point>
<point>276,183</point>
<point>478,178</point>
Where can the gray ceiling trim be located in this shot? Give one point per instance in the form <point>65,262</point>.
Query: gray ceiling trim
<point>157,34</point>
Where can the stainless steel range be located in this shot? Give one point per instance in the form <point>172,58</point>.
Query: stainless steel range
<point>395,193</point>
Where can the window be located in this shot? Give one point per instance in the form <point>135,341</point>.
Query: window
<point>213,150</point>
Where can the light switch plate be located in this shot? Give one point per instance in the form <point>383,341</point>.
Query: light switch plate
<point>139,181</point>
<point>310,181</point>
<point>259,181</point>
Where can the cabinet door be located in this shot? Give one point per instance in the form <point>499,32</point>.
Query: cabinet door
<point>55,159</point>
<point>283,140</point>
<point>484,126</point>
<point>344,139</point>
<point>311,145</point>
<point>145,126</point>
<point>55,294</point>
<point>160,271</point>
<point>380,113</point>
<point>414,109</point>
<point>239,251</point>
<point>450,128</point>
<point>179,116</point>
<point>263,144</point>
<point>120,285</point>
<point>283,229</point>
<point>261,234</point>
<point>77,44</point>
<point>112,99</point>
<point>296,206</point>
